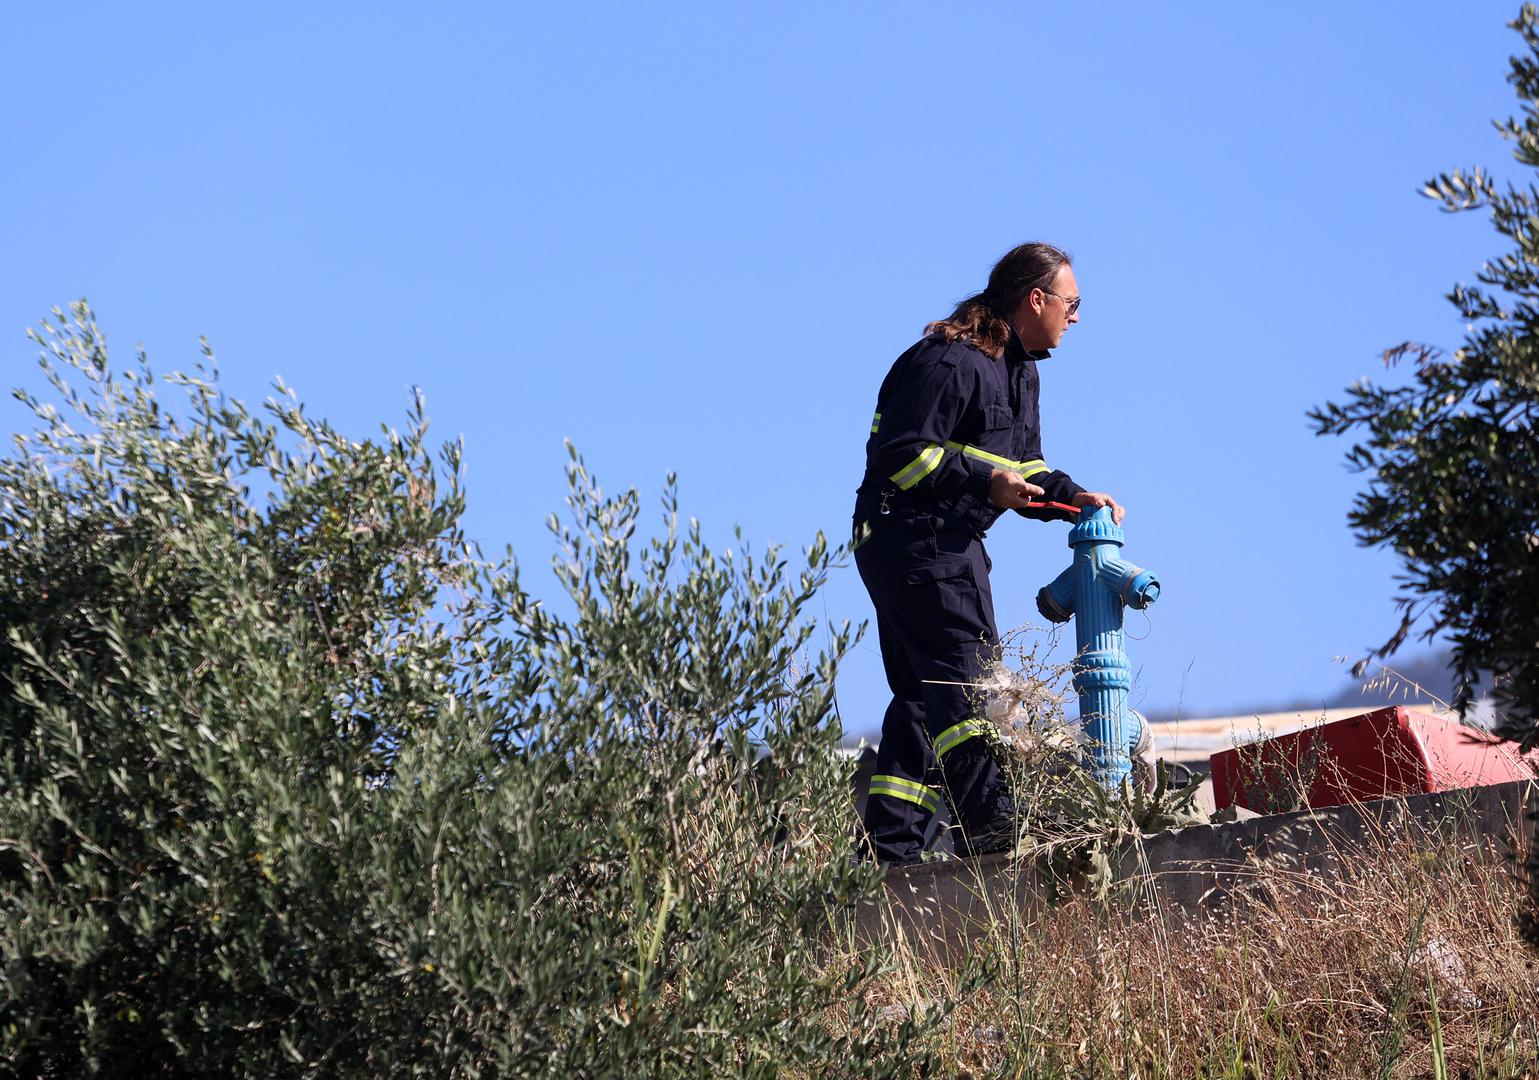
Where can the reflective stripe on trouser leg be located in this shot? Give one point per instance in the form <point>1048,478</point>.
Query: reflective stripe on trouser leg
<point>897,787</point>
<point>957,734</point>
<point>896,829</point>
<point>935,621</point>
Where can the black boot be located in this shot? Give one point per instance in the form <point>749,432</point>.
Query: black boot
<point>985,810</point>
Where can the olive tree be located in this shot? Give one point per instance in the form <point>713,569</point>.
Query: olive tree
<point>1451,454</point>
<point>294,781</point>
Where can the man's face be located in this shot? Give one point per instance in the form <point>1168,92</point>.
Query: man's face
<point>1044,314</point>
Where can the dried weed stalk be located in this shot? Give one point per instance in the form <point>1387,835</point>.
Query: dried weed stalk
<point>1410,966</point>
<point>1071,827</point>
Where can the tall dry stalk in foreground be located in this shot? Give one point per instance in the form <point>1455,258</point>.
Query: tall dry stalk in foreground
<point>1412,966</point>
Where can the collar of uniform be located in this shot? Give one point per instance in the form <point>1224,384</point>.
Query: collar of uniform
<point>1016,351</point>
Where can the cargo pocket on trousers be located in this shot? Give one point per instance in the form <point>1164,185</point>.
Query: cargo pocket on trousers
<point>952,605</point>
<point>941,570</point>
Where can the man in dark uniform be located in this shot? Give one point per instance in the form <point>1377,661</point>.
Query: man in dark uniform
<point>955,442</point>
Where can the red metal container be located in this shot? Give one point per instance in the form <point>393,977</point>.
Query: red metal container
<point>1392,751</point>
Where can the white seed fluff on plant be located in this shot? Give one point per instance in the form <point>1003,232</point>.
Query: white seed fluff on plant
<point>1027,712</point>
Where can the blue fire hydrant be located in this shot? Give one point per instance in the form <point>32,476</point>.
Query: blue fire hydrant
<point>1093,591</point>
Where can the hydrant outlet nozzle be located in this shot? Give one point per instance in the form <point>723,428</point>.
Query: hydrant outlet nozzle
<point>1055,600</point>
<point>1143,590</point>
<point>1050,608</point>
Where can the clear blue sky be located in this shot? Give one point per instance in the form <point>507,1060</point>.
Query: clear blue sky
<point>694,237</point>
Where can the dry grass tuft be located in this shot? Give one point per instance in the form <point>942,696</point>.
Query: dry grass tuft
<point>1411,967</point>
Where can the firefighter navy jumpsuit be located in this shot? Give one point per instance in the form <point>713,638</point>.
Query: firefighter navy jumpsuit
<point>947,415</point>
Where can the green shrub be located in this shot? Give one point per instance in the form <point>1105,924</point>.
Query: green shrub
<point>1451,456</point>
<point>294,782</point>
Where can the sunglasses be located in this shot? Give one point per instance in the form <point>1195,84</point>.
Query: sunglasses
<point>1071,305</point>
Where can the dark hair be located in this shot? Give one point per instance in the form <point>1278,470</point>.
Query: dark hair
<point>980,320</point>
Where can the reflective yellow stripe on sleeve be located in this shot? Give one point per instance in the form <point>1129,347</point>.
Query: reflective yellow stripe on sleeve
<point>957,734</point>
<point>930,457</point>
<point>897,787</point>
<point>876,422</point>
<point>1025,468</point>
<point>928,461</point>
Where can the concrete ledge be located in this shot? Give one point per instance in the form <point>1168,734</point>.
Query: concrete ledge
<point>1198,871</point>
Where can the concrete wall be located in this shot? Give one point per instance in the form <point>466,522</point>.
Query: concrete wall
<point>1198,871</point>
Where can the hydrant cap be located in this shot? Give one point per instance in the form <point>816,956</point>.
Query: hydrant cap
<point>1095,529</point>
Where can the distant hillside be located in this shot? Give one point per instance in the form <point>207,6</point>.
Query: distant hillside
<point>1418,679</point>
<point>1433,672</point>
<point>1422,678</point>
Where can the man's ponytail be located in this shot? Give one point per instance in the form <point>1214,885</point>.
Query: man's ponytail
<point>981,319</point>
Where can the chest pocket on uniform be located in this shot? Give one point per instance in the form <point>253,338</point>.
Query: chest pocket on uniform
<point>996,417</point>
